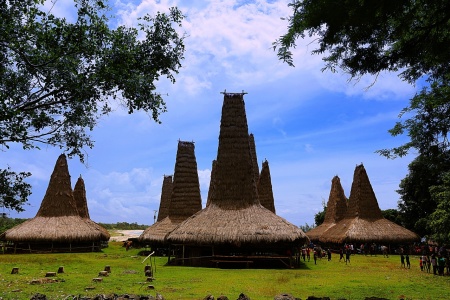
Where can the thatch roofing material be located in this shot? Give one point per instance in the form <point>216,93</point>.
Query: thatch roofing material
<point>79,194</point>
<point>363,220</point>
<point>251,140</point>
<point>212,181</point>
<point>234,214</point>
<point>251,225</point>
<point>336,210</point>
<point>265,191</point>
<point>57,219</point>
<point>166,193</point>
<point>185,199</point>
<point>58,200</point>
<point>235,186</point>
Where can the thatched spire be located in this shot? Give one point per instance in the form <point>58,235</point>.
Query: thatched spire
<point>251,140</point>
<point>235,172</point>
<point>58,200</point>
<point>166,193</point>
<point>336,210</point>
<point>212,181</point>
<point>79,194</point>
<point>185,199</point>
<point>337,202</point>
<point>265,191</point>
<point>362,202</point>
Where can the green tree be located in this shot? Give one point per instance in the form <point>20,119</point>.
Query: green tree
<point>320,216</point>
<point>439,221</point>
<point>58,78</point>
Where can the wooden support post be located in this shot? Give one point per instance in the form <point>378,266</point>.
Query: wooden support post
<point>15,270</point>
<point>61,269</point>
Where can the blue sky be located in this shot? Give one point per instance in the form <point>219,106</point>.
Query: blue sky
<point>310,125</point>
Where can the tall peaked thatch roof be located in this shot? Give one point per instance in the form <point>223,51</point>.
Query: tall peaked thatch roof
<point>336,210</point>
<point>265,191</point>
<point>363,221</point>
<point>57,219</point>
<point>58,200</point>
<point>79,195</point>
<point>212,181</point>
<point>166,193</point>
<point>234,215</point>
<point>185,199</point>
<point>251,140</point>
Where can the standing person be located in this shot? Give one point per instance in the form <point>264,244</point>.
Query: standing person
<point>421,262</point>
<point>308,253</point>
<point>315,256</point>
<point>408,264</point>
<point>441,265</point>
<point>341,254</point>
<point>402,260</point>
<point>329,254</point>
<point>428,263</point>
<point>304,253</point>
<point>348,252</point>
<point>434,263</point>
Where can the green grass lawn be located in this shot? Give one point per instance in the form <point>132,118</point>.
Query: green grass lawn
<point>365,277</point>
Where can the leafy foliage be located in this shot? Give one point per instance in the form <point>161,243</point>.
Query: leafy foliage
<point>367,37</point>
<point>14,191</point>
<point>439,221</point>
<point>7,223</point>
<point>58,78</point>
<point>320,216</point>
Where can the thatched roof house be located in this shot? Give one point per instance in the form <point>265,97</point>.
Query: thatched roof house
<point>363,221</point>
<point>185,199</point>
<point>265,191</point>
<point>57,225</point>
<point>336,210</point>
<point>234,221</point>
<point>166,193</point>
<point>79,195</point>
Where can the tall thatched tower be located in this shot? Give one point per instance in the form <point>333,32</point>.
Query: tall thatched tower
<point>185,198</point>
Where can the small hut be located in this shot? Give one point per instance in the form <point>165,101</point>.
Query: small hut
<point>166,193</point>
<point>363,221</point>
<point>57,226</point>
<point>265,191</point>
<point>185,199</point>
<point>235,228</point>
<point>336,210</point>
<point>79,195</point>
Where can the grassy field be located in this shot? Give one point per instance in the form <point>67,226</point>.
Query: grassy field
<point>364,277</point>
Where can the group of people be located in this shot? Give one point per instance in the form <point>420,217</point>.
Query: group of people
<point>432,259</point>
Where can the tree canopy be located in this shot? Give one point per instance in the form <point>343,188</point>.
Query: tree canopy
<point>58,78</point>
